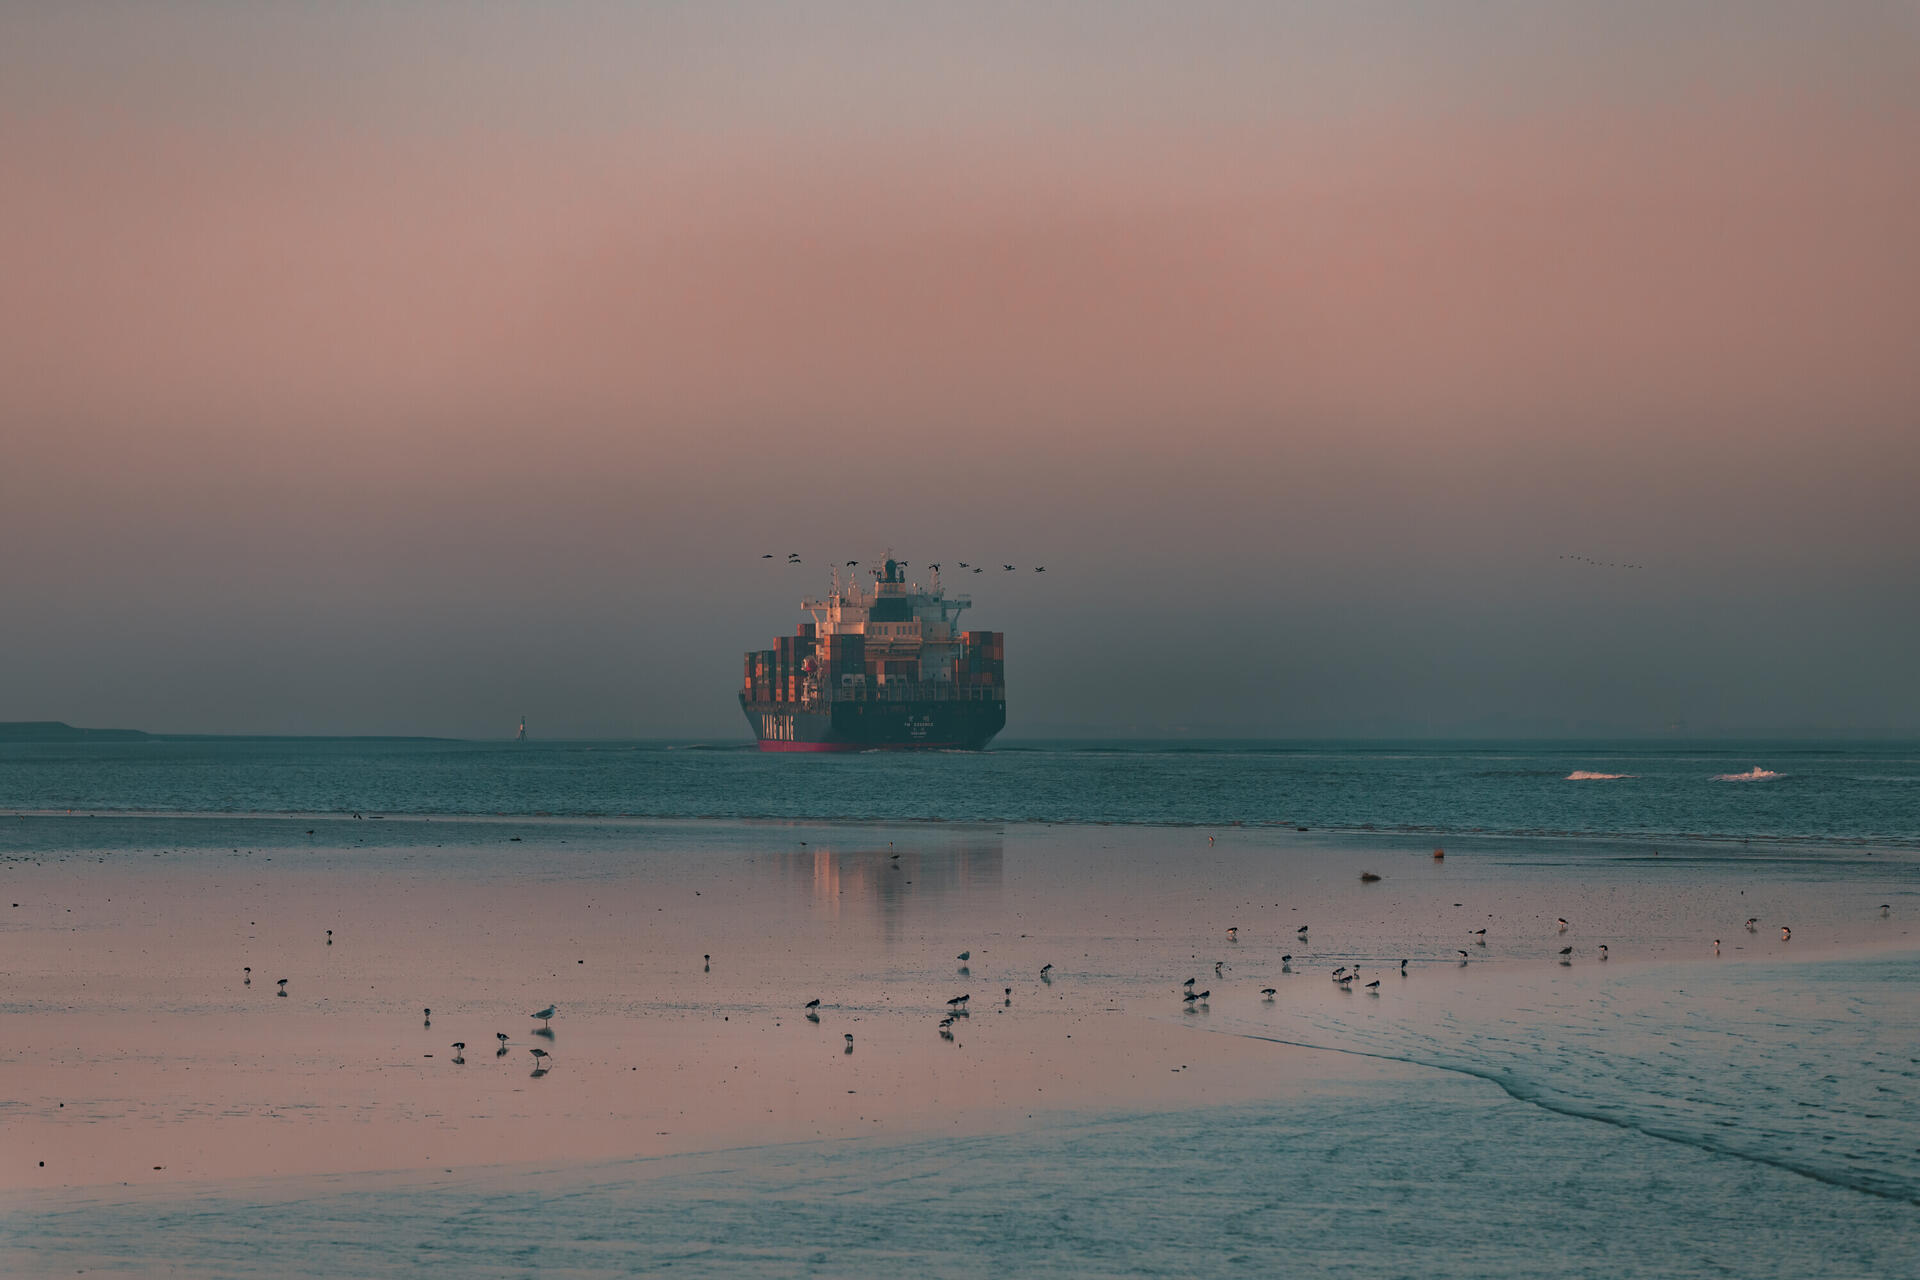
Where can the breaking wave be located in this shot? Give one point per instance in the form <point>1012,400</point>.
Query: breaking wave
<point>1755,774</point>
<point>1588,775</point>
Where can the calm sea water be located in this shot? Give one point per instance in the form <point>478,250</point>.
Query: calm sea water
<point>1821,793</point>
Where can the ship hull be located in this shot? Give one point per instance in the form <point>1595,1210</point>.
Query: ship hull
<point>876,725</point>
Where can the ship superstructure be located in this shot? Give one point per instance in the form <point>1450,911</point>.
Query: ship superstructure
<point>880,666</point>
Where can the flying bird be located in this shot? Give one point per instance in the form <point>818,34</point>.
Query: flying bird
<point>1039,568</point>
<point>1007,567</point>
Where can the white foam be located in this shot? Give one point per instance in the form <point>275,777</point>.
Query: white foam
<point>1755,774</point>
<point>1588,775</point>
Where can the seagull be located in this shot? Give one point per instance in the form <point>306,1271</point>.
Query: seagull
<point>1268,992</point>
<point>283,987</point>
<point>1045,969</point>
<point>1563,924</point>
<point>1785,933</point>
<point>853,564</point>
<point>1886,909</point>
<point>545,1015</point>
<point>964,956</point>
<point>849,1048</point>
<point>1752,923</point>
<point>1233,931</point>
<point>1463,957</point>
<point>459,1050</point>
<point>1480,937</point>
<point>1007,567</point>
<point>1286,964</point>
<point>965,565</point>
<point>1603,951</point>
<point>1039,568</point>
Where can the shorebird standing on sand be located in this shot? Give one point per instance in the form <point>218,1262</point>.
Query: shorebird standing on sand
<point>1233,933</point>
<point>248,970</point>
<point>1563,924</point>
<point>1716,946</point>
<point>1603,951</point>
<point>1046,973</point>
<point>1886,909</point>
<point>1268,992</point>
<point>849,1048</point>
<point>1564,953</point>
<point>1753,923</point>
<point>282,984</point>
<point>459,1050</point>
<point>1286,964</point>
<point>1480,937</point>
<point>814,1003</point>
<point>540,1057</point>
<point>545,1015</point>
<point>1373,988</point>
<point>1785,933</point>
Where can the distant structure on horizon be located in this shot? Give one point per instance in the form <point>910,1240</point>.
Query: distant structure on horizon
<point>522,735</point>
<point>880,669</point>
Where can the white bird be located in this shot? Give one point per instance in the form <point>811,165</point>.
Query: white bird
<point>545,1015</point>
<point>1563,924</point>
<point>1233,933</point>
<point>1268,992</point>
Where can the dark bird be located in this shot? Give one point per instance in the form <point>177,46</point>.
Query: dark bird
<point>1302,931</point>
<point>330,932</point>
<point>1753,923</point>
<point>1188,984</point>
<point>1039,568</point>
<point>1563,924</point>
<point>248,970</point>
<point>849,1048</point>
<point>1886,909</point>
<point>979,571</point>
<point>1480,937</point>
<point>1007,567</point>
<point>540,1057</point>
<point>459,1050</point>
<point>1233,931</point>
<point>426,1017</point>
<point>1403,966</point>
<point>1286,964</point>
<point>1463,957</point>
<point>767,556</point>
<point>1566,951</point>
<point>283,987</point>
<point>934,567</point>
<point>1785,933</point>
<point>1217,966</point>
<point>1190,997</point>
<point>956,1002</point>
<point>853,564</point>
<point>1046,973</point>
<point>813,1004</point>
<point>964,956</point>
<point>1374,986</point>
<point>1268,992</point>
<point>1203,996</point>
<point>1603,951</point>
<point>965,565</point>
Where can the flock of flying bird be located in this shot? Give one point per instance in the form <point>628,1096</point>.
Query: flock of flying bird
<point>793,557</point>
<point>1601,564</point>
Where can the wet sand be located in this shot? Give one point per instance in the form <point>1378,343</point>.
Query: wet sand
<point>141,1069</point>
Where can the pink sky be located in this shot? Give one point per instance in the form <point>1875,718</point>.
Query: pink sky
<point>314,321</point>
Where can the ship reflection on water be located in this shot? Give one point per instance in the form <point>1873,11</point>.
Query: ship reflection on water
<point>900,882</point>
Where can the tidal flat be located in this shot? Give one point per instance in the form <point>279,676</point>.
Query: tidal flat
<point>1668,1109</point>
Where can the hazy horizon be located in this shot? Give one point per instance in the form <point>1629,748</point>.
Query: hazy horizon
<point>410,370</point>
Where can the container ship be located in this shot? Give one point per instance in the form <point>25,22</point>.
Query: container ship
<point>878,670</point>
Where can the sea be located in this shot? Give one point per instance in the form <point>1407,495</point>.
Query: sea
<point>1825,793</point>
<point>1711,1101</point>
